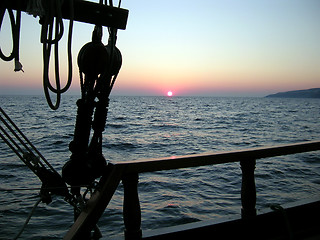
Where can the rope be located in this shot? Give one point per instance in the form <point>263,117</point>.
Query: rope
<point>99,65</point>
<point>35,8</point>
<point>112,42</point>
<point>52,182</point>
<point>36,188</point>
<point>279,208</point>
<point>28,219</point>
<point>111,3</point>
<point>15,31</point>
<point>54,8</point>
<point>23,139</point>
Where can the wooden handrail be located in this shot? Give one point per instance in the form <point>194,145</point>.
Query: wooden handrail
<point>128,171</point>
<point>197,160</point>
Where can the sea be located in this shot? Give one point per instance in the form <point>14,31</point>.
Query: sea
<point>154,127</point>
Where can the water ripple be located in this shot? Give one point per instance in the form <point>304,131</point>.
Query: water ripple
<point>152,127</point>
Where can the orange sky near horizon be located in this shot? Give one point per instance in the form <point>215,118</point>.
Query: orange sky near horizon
<point>205,48</point>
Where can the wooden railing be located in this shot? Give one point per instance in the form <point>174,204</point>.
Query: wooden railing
<point>128,172</point>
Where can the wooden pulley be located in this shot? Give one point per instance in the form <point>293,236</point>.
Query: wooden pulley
<point>93,58</point>
<point>115,60</point>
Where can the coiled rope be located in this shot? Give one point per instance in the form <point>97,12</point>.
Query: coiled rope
<point>54,9</point>
<point>52,25</point>
<point>15,31</point>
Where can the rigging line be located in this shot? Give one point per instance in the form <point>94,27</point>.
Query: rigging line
<point>21,140</point>
<point>35,8</point>
<point>15,31</point>
<point>113,81</point>
<point>47,29</point>
<point>12,148</point>
<point>28,218</point>
<point>46,82</point>
<point>9,137</point>
<point>46,60</point>
<point>18,189</point>
<point>17,64</point>
<point>52,9</point>
<point>12,22</point>
<point>37,188</point>
<point>112,41</point>
<point>69,51</point>
<point>111,3</point>
<point>18,154</point>
<point>81,84</point>
<point>27,140</point>
<point>18,138</point>
<point>18,150</point>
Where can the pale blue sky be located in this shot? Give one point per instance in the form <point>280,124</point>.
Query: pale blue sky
<point>195,47</point>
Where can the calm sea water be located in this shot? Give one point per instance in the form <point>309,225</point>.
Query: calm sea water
<point>150,127</point>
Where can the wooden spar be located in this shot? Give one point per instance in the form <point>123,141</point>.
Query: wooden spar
<point>84,11</point>
<point>96,205</point>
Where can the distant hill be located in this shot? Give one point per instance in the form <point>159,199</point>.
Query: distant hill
<point>308,93</point>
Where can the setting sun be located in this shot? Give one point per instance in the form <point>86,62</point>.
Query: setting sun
<point>169,94</point>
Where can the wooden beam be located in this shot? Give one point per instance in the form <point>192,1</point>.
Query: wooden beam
<point>84,11</point>
<point>197,160</point>
<point>96,205</point>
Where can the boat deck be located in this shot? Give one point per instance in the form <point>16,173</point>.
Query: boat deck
<point>299,220</point>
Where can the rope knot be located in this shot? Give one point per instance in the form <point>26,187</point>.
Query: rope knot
<point>17,66</point>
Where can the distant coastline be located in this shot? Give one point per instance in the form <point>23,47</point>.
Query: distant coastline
<point>307,93</point>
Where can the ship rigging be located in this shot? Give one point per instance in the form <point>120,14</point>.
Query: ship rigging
<point>99,64</point>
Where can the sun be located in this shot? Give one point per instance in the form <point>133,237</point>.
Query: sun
<point>169,94</point>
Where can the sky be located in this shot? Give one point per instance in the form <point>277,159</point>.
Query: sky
<point>192,48</point>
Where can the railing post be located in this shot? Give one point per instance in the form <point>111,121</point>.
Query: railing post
<point>131,207</point>
<point>248,188</point>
